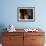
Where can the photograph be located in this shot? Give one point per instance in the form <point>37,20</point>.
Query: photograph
<point>25,14</point>
<point>22,23</point>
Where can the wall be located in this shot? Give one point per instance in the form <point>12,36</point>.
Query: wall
<point>8,15</point>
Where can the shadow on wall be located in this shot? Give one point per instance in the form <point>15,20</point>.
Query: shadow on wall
<point>2,29</point>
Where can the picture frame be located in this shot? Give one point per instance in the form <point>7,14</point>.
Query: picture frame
<point>26,14</point>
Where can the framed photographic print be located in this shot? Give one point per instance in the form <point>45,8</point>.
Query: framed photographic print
<point>26,14</point>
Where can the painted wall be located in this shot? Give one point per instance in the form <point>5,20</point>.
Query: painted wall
<point>8,13</point>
